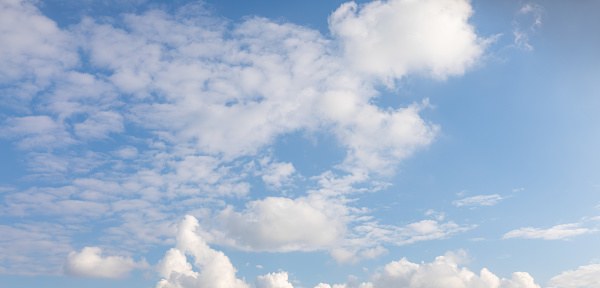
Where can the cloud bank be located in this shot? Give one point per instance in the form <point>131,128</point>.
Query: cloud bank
<point>215,270</point>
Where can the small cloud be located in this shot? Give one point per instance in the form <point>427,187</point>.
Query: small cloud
<point>462,193</point>
<point>515,190</point>
<point>479,239</point>
<point>479,200</point>
<point>259,266</point>
<point>437,215</point>
<point>558,232</point>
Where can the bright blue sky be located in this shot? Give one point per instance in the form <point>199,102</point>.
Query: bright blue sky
<point>314,143</point>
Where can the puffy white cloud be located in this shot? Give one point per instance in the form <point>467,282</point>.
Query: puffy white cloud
<point>479,200</point>
<point>584,276</point>
<point>274,280</point>
<point>444,271</point>
<point>391,39</point>
<point>276,174</point>
<point>90,263</point>
<point>215,267</point>
<point>215,270</point>
<point>558,232</point>
<point>282,224</point>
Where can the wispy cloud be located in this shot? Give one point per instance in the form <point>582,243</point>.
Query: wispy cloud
<point>527,21</point>
<point>479,200</point>
<point>558,232</point>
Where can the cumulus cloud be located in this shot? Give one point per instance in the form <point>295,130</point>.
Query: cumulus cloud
<point>558,232</point>
<point>274,280</point>
<point>276,174</point>
<point>479,200</point>
<point>90,263</point>
<point>444,271</point>
<point>215,267</point>
<point>397,37</point>
<point>282,224</point>
<point>584,276</point>
<point>216,270</point>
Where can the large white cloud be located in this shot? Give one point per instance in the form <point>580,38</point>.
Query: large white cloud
<point>584,276</point>
<point>391,39</point>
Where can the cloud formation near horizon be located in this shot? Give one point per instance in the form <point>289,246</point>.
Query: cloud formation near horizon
<point>215,270</point>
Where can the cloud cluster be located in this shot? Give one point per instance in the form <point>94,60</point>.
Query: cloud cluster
<point>215,270</point>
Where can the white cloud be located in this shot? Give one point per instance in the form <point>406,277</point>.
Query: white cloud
<point>90,263</point>
<point>201,95</point>
<point>479,200</point>
<point>215,268</point>
<point>391,39</point>
<point>33,51</point>
<point>99,125</point>
<point>22,244</point>
<point>36,132</point>
<point>558,232</point>
<point>444,272</point>
<point>276,174</point>
<point>274,280</point>
<point>584,276</point>
<point>282,224</point>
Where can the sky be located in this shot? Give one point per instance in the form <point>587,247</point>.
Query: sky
<point>288,144</point>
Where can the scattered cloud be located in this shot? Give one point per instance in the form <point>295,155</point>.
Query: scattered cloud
<point>479,200</point>
<point>90,263</point>
<point>527,21</point>
<point>558,232</point>
<point>228,92</point>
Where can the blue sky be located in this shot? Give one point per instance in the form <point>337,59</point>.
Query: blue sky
<point>282,144</point>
